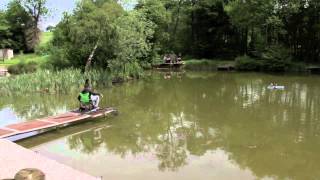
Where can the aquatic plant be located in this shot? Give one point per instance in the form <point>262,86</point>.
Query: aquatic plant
<point>64,81</point>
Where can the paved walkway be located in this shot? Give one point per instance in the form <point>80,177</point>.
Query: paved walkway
<point>13,158</point>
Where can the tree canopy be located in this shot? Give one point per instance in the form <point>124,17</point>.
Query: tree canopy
<point>112,36</point>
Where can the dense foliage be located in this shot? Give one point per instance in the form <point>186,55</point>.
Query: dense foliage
<point>100,33</point>
<point>119,41</point>
<point>274,33</point>
<point>230,28</point>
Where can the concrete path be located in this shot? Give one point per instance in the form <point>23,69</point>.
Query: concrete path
<point>13,158</point>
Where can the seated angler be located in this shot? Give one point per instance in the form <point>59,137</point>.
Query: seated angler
<point>88,99</point>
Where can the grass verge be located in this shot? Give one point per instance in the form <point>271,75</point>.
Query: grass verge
<point>25,58</point>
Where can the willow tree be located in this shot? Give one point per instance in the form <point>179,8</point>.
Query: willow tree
<point>132,46</point>
<point>87,36</point>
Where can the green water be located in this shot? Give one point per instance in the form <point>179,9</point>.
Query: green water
<point>191,126</point>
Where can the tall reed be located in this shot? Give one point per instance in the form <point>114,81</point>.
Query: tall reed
<point>64,81</point>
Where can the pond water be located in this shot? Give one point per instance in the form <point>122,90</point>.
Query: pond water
<point>188,126</point>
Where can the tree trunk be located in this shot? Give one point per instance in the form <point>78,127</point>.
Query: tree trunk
<point>177,22</point>
<point>89,61</point>
<point>193,36</point>
<point>246,41</point>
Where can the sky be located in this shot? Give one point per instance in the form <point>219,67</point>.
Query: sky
<point>56,7</point>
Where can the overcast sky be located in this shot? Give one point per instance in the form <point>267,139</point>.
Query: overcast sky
<point>57,7</point>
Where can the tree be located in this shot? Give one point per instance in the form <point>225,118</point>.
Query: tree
<point>36,9</point>
<point>87,35</point>
<point>155,11</point>
<point>50,28</point>
<point>17,18</point>
<point>132,47</point>
<point>4,32</point>
<point>250,17</point>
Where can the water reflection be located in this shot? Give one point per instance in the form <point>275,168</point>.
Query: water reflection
<point>32,106</point>
<point>194,125</point>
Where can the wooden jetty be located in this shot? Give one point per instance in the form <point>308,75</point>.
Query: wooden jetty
<point>226,68</point>
<point>169,65</point>
<point>15,132</point>
<point>313,69</point>
<point>14,158</point>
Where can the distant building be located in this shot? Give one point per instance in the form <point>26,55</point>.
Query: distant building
<point>6,54</point>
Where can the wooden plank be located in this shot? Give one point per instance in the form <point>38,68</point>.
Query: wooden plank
<point>69,119</point>
<point>29,125</point>
<point>44,124</point>
<point>5,132</point>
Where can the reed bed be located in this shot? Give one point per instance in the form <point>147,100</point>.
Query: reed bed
<point>64,81</point>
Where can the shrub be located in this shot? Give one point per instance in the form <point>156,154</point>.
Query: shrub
<point>42,50</point>
<point>297,67</point>
<point>22,68</point>
<point>275,65</point>
<point>245,63</point>
<point>276,59</point>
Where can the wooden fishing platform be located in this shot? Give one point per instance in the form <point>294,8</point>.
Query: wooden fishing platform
<point>169,65</point>
<point>28,129</point>
<point>313,69</point>
<point>227,67</point>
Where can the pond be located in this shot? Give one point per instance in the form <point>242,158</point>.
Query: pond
<point>191,125</point>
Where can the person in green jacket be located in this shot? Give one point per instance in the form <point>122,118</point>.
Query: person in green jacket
<point>88,99</point>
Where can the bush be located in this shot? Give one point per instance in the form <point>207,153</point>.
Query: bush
<point>276,59</point>
<point>275,65</point>
<point>42,50</point>
<point>245,63</point>
<point>296,67</point>
<point>23,68</point>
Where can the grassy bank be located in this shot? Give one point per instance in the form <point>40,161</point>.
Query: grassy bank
<point>25,58</point>
<point>46,37</point>
<point>206,64</point>
<point>246,64</point>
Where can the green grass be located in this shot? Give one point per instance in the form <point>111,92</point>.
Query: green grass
<point>206,64</point>
<point>45,38</point>
<point>26,58</point>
